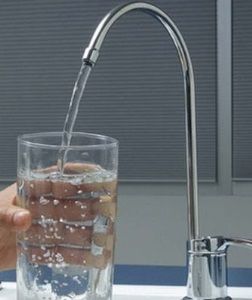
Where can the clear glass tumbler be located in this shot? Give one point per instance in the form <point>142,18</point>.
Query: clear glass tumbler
<point>67,253</point>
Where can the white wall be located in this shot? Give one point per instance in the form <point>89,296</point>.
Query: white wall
<point>152,230</point>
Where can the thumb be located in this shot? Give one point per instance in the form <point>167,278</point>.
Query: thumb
<point>14,218</point>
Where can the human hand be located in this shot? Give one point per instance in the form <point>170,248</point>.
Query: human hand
<point>12,220</point>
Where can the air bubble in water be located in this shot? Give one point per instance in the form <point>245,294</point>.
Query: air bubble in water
<point>72,295</point>
<point>47,254</point>
<point>77,180</point>
<point>59,257</point>
<point>33,257</point>
<point>55,202</point>
<point>76,279</point>
<point>58,237</point>
<point>43,200</point>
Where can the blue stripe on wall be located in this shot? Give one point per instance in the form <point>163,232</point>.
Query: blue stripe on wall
<point>159,275</point>
<point>150,275</point>
<point>8,276</point>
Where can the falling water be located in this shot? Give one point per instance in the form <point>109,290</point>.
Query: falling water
<point>78,90</point>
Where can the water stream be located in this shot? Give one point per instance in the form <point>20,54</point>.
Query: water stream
<point>78,90</point>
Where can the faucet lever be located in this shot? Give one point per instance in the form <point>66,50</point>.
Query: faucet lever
<point>236,242</point>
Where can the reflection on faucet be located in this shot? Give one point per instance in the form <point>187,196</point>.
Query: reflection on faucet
<point>206,256</point>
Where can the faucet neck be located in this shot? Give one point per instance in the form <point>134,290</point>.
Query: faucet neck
<point>91,55</point>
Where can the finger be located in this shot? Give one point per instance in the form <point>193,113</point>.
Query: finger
<point>14,218</point>
<point>78,168</point>
<point>8,195</point>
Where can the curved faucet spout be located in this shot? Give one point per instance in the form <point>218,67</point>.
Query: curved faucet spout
<point>90,56</point>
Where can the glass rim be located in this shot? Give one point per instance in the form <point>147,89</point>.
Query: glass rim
<point>109,142</point>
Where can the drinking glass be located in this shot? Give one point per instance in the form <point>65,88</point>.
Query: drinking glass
<point>68,251</point>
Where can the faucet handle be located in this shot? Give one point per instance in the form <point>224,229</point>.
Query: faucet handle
<point>236,242</point>
<point>216,244</point>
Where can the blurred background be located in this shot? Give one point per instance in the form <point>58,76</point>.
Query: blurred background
<point>135,94</point>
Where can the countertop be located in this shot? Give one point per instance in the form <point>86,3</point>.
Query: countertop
<point>139,292</point>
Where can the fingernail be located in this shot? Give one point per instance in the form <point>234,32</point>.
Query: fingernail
<point>20,218</point>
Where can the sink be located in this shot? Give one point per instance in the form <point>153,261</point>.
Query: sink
<point>140,292</point>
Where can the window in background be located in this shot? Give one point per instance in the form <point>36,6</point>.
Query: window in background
<point>242,90</point>
<point>135,92</point>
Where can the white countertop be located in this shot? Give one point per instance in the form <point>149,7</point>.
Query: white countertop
<point>138,292</point>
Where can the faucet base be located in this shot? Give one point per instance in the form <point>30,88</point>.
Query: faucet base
<point>225,298</point>
<point>207,266</point>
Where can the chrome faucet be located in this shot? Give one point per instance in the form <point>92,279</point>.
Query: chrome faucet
<point>207,266</point>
